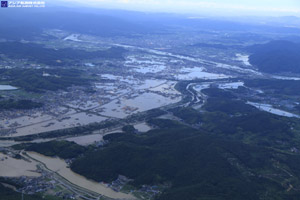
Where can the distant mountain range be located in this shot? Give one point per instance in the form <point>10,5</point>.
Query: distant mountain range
<point>276,56</point>
<point>29,23</point>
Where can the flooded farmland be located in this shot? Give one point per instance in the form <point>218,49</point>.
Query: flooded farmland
<point>142,127</point>
<point>86,139</point>
<point>60,167</point>
<point>7,87</point>
<point>269,108</point>
<point>12,167</point>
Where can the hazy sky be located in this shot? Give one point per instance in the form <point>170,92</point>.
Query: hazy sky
<point>210,7</point>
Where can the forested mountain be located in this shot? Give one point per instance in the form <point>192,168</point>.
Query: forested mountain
<point>276,56</point>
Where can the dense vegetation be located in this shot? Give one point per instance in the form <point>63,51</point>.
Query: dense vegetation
<point>129,129</point>
<point>230,117</point>
<point>9,194</point>
<point>238,153</point>
<point>218,93</point>
<point>216,46</point>
<point>197,165</point>
<point>276,56</point>
<point>18,104</point>
<point>189,115</point>
<point>181,87</point>
<point>276,86</point>
<point>297,108</point>
<point>63,149</point>
<point>88,129</point>
<point>33,80</point>
<point>228,106</point>
<point>40,54</point>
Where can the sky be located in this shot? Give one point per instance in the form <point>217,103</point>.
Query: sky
<point>201,7</point>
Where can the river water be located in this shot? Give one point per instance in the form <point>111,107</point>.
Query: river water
<point>270,109</point>
<point>11,167</point>
<point>7,87</point>
<point>60,167</point>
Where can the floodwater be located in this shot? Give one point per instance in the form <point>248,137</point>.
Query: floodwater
<point>26,120</point>
<point>73,120</point>
<point>205,85</point>
<point>142,127</point>
<point>286,78</point>
<point>11,167</point>
<point>269,108</point>
<point>237,69</point>
<point>202,86</point>
<point>243,58</point>
<point>86,139</point>
<point>136,98</point>
<point>7,143</point>
<point>149,69</point>
<point>198,73</point>
<point>149,83</point>
<point>233,85</point>
<point>149,101</point>
<point>73,37</point>
<point>146,101</point>
<point>145,64</point>
<point>7,87</point>
<point>60,167</point>
<point>167,88</point>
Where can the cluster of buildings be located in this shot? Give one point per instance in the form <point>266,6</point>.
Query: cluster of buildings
<point>33,185</point>
<point>118,184</point>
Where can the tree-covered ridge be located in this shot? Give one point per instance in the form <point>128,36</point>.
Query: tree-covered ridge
<point>56,57</point>
<point>233,118</point>
<point>197,164</point>
<point>18,104</point>
<point>228,150</point>
<point>276,56</point>
<point>238,153</point>
<point>63,149</point>
<point>34,80</point>
<point>284,87</point>
<point>9,194</point>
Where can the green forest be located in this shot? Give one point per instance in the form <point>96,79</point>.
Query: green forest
<point>32,80</point>
<point>55,57</point>
<point>237,153</point>
<point>276,56</point>
<point>18,104</point>
<point>277,86</point>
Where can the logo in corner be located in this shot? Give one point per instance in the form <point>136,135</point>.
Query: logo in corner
<point>4,4</point>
